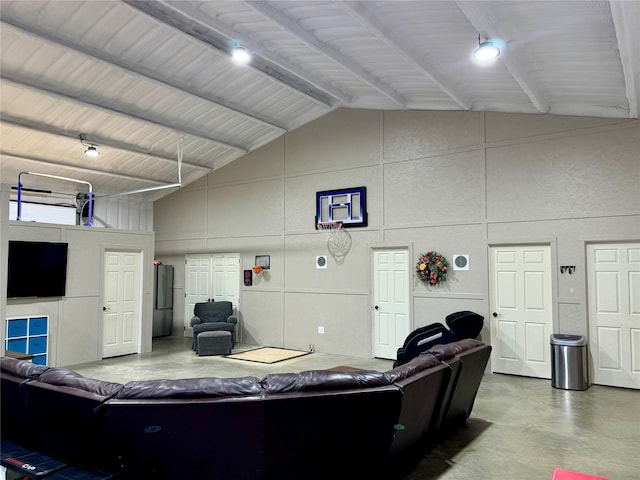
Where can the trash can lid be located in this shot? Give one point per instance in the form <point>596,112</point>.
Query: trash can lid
<point>568,340</point>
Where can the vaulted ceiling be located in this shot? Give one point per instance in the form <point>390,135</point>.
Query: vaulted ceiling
<point>152,84</point>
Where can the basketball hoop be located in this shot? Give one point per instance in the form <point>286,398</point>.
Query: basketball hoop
<point>338,241</point>
<point>257,269</point>
<point>329,227</point>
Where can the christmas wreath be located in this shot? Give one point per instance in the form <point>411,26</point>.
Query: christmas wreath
<point>432,268</point>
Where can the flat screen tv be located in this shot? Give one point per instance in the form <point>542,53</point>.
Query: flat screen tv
<point>37,269</point>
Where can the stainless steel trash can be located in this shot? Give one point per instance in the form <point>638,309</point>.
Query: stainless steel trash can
<point>569,362</point>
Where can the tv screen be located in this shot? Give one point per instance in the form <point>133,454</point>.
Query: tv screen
<point>37,269</point>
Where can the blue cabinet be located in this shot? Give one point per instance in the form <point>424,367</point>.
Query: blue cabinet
<point>29,335</point>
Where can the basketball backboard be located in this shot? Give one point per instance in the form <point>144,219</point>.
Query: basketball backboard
<point>346,205</point>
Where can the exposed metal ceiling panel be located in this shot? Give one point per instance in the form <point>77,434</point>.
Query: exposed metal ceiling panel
<point>138,79</point>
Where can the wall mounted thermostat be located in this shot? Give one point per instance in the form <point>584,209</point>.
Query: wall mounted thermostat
<point>321,261</point>
<point>461,262</point>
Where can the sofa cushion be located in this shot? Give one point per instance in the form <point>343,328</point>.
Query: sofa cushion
<point>68,378</point>
<point>21,368</point>
<point>314,380</point>
<point>192,388</point>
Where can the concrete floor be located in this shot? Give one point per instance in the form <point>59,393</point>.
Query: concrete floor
<point>520,428</point>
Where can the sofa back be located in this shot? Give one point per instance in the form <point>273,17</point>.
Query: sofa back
<point>188,428</point>
<point>15,421</point>
<point>316,424</point>
<point>213,311</point>
<point>328,424</point>
<point>68,421</point>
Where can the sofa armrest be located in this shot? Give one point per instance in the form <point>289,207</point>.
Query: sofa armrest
<point>233,320</point>
<point>212,326</point>
<point>195,321</point>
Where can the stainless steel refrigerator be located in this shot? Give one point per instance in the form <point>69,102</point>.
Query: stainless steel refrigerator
<point>162,300</point>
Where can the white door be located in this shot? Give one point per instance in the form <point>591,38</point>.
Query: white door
<point>521,305</point>
<point>122,303</point>
<point>391,301</point>
<point>210,277</point>
<point>614,313</point>
<point>226,278</point>
<point>197,284</point>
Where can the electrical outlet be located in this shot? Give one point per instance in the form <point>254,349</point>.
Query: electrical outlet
<point>320,329</point>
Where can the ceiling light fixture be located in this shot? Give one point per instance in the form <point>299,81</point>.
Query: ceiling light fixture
<point>91,150</point>
<point>240,55</point>
<point>486,51</point>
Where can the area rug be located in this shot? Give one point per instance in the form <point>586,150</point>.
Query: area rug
<point>267,355</point>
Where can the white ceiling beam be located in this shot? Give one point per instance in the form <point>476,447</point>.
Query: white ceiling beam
<point>214,34</point>
<point>484,25</point>
<point>333,54</point>
<point>92,139</point>
<point>137,70</point>
<point>23,82</point>
<point>626,15</point>
<point>76,168</point>
<point>362,13</point>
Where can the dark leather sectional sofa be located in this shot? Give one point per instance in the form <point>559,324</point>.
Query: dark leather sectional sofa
<point>321,424</point>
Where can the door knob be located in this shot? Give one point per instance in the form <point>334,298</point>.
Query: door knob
<point>495,315</point>
<point>106,309</point>
<point>376,307</point>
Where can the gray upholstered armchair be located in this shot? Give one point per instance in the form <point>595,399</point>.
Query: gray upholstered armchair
<point>211,316</point>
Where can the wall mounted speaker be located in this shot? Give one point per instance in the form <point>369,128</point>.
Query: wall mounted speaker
<point>461,262</point>
<point>321,261</point>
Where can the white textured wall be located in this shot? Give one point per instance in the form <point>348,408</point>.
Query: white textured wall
<point>75,321</point>
<point>455,182</point>
<point>123,213</point>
